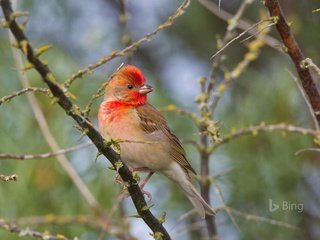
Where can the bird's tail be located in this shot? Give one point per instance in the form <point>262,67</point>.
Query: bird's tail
<point>202,207</point>
<point>178,175</point>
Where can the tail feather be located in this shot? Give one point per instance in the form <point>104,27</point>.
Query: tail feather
<point>202,207</point>
<point>177,174</point>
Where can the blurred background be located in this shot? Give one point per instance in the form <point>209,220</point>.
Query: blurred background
<point>253,170</point>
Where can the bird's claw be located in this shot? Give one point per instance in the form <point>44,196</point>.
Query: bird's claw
<point>148,194</point>
<point>125,194</point>
<point>118,178</point>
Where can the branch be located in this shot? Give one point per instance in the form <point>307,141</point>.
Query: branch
<point>180,11</point>
<point>296,55</point>
<point>44,126</point>
<point>180,111</point>
<point>254,49</point>
<point>43,155</point>
<point>305,98</point>
<point>242,34</point>
<point>254,130</point>
<point>22,91</point>
<point>27,232</point>
<point>6,178</point>
<point>85,220</point>
<point>242,24</point>
<point>75,112</point>
<point>251,217</point>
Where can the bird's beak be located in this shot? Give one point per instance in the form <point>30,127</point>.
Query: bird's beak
<point>145,89</point>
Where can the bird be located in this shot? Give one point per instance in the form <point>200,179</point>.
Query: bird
<point>145,139</point>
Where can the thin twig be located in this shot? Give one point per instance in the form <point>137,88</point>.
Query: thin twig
<point>238,36</point>
<point>251,217</point>
<point>22,91</point>
<point>180,11</point>
<point>85,220</point>
<point>305,98</point>
<point>234,21</point>
<point>255,130</point>
<point>95,96</point>
<point>180,111</point>
<point>44,155</point>
<point>123,18</point>
<point>27,232</point>
<point>229,213</point>
<point>258,32</point>
<point>242,24</point>
<point>254,49</point>
<point>307,150</point>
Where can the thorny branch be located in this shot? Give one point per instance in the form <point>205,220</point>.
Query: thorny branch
<point>75,112</point>
<point>296,55</point>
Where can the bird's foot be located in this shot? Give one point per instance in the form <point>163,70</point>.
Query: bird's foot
<point>125,194</point>
<point>148,194</point>
<point>118,178</point>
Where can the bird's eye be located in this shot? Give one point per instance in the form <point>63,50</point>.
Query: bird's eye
<point>130,86</point>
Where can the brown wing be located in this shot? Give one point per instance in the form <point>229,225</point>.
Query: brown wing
<point>151,121</point>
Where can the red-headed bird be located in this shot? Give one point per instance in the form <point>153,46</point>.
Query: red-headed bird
<point>146,141</point>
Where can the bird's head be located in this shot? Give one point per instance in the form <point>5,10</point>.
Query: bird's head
<point>128,85</point>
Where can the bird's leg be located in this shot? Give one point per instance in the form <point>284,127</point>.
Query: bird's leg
<point>144,183</point>
<point>142,169</point>
<point>118,178</point>
<point>146,180</point>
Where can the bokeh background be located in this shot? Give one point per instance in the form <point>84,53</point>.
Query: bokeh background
<point>262,168</point>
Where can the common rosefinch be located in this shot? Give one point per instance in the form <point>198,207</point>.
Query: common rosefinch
<point>146,141</point>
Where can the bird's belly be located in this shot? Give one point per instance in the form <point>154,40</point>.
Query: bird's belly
<point>137,148</point>
<point>150,155</point>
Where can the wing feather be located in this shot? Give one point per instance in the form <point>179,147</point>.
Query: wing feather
<point>151,121</point>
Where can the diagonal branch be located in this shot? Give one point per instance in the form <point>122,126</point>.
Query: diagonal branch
<point>48,136</point>
<point>85,124</point>
<point>296,55</point>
